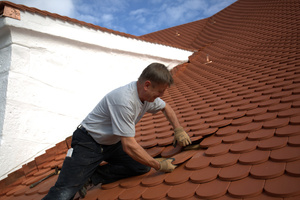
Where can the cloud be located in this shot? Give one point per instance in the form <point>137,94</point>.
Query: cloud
<point>88,18</point>
<point>182,11</point>
<point>107,20</point>
<point>141,11</point>
<point>182,8</point>
<point>100,12</point>
<point>139,15</point>
<point>176,12</point>
<point>166,14</point>
<point>215,6</point>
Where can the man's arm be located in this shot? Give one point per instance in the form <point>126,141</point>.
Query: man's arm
<point>135,151</point>
<point>180,136</point>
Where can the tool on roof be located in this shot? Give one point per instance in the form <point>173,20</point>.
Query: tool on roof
<point>207,60</point>
<point>52,174</point>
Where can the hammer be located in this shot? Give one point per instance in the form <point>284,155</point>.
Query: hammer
<point>53,173</point>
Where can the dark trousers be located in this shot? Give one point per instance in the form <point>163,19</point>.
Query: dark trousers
<point>84,164</point>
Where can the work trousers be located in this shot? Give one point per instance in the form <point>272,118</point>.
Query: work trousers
<point>84,164</point>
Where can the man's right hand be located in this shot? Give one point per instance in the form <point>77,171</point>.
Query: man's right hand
<point>166,165</point>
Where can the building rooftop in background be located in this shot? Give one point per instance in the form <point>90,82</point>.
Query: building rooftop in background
<point>238,97</point>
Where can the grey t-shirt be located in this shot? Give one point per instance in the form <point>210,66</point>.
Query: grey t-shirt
<point>117,113</point>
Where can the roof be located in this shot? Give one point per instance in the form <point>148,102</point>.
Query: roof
<point>183,35</point>
<point>238,98</point>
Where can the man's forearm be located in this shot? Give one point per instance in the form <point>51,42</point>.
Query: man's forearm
<point>171,116</point>
<point>135,151</point>
<point>180,136</point>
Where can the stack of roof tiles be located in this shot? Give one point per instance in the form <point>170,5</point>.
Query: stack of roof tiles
<point>238,98</point>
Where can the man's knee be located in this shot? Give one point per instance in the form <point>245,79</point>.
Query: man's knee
<point>143,169</point>
<point>147,169</point>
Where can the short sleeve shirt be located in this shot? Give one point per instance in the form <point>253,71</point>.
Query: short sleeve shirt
<point>117,114</point>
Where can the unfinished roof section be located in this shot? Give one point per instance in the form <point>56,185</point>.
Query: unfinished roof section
<point>239,100</point>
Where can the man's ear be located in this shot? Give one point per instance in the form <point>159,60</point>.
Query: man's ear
<point>147,85</point>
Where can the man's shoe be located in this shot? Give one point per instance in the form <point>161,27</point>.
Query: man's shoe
<point>82,192</point>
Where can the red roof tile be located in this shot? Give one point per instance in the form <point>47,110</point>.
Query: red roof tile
<point>182,191</point>
<point>241,111</point>
<point>283,186</point>
<point>156,192</point>
<point>247,187</point>
<point>268,170</point>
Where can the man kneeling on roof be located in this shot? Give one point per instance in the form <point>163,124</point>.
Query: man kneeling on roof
<point>107,134</point>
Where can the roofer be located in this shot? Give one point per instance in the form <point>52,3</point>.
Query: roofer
<point>107,134</point>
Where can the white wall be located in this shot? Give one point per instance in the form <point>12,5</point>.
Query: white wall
<point>52,73</point>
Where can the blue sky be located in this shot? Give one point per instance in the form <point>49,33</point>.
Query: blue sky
<point>136,17</point>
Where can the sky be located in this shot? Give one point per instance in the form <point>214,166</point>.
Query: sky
<point>135,17</point>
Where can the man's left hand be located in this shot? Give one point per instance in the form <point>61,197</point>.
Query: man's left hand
<point>181,137</point>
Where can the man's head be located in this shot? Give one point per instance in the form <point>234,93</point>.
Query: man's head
<point>156,73</point>
<point>153,82</point>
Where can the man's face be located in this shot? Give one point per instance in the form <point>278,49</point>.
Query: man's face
<point>154,90</point>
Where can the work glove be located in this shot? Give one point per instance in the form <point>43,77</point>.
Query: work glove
<point>166,165</point>
<point>181,137</point>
